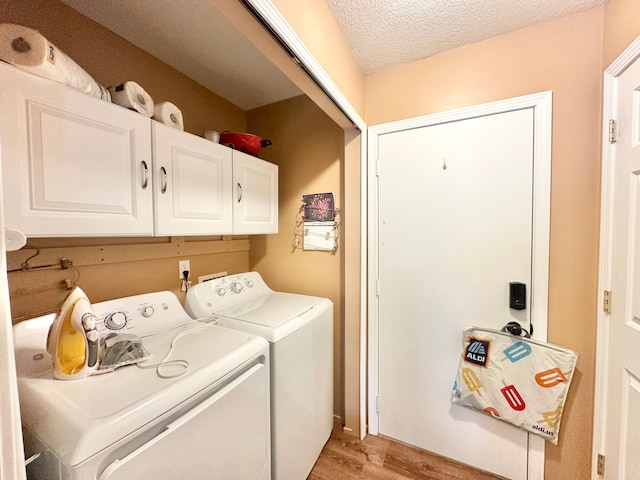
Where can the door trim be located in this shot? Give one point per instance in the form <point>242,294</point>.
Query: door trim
<point>609,111</point>
<point>542,104</point>
<point>12,462</point>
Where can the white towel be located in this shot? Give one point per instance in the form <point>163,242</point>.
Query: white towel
<point>28,50</point>
<point>132,96</point>
<point>169,114</point>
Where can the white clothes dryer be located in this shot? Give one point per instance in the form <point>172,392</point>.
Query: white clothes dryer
<point>206,416</point>
<point>299,329</point>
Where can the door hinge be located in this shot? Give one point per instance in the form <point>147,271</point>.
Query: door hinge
<point>606,303</point>
<point>377,166</point>
<point>600,464</point>
<point>377,287</point>
<point>377,404</point>
<point>613,132</point>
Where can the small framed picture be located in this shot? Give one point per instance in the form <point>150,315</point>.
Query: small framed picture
<point>319,207</point>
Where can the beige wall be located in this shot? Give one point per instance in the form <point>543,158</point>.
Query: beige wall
<point>309,152</point>
<point>621,27</point>
<point>354,329</point>
<point>107,268</point>
<point>563,56</point>
<point>314,24</point>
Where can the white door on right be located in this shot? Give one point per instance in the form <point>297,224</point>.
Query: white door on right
<point>622,413</point>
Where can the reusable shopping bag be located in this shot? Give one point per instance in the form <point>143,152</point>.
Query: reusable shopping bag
<point>515,379</point>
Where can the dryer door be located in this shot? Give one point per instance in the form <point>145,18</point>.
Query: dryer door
<point>225,436</point>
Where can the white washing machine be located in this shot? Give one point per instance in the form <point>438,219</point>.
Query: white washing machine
<point>206,416</point>
<point>299,329</point>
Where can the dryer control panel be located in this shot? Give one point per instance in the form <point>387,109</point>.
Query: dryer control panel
<point>140,314</point>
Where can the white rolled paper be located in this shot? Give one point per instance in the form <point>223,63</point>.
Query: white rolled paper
<point>28,50</point>
<point>132,96</point>
<point>14,239</point>
<point>169,114</point>
<point>212,135</point>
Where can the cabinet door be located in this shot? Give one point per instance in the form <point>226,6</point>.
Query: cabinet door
<point>192,183</point>
<point>72,165</point>
<point>255,196</point>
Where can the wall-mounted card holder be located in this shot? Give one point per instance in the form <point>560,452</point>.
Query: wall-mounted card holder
<point>316,227</point>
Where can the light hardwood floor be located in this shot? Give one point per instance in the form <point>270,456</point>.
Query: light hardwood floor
<point>345,457</point>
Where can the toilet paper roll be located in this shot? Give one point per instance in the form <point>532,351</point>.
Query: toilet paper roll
<point>212,135</point>
<point>132,96</point>
<point>169,114</point>
<point>14,239</point>
<point>28,50</point>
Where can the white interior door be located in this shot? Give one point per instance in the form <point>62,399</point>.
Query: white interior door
<point>621,422</point>
<point>455,227</point>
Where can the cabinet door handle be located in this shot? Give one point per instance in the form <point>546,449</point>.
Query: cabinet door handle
<point>239,192</point>
<point>164,180</point>
<point>145,175</point>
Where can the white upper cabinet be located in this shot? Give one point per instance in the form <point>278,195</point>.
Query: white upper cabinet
<point>72,165</point>
<point>255,195</point>
<point>192,184</point>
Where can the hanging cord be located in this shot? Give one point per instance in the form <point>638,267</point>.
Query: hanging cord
<point>64,264</point>
<point>164,363</point>
<point>24,266</point>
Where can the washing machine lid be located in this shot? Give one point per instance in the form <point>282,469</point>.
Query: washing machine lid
<point>79,418</point>
<point>273,315</point>
<point>272,309</point>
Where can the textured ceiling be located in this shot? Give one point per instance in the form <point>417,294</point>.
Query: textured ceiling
<point>383,33</point>
<point>191,36</point>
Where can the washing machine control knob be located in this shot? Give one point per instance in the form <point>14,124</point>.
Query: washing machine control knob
<point>115,320</point>
<point>222,292</point>
<point>236,287</point>
<point>147,311</point>
<point>249,283</point>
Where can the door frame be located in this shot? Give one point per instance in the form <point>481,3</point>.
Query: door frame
<point>609,111</point>
<point>12,461</point>
<point>542,104</point>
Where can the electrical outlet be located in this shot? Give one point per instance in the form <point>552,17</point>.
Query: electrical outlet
<point>182,266</point>
<point>212,276</point>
